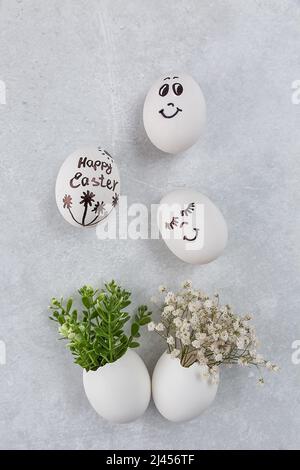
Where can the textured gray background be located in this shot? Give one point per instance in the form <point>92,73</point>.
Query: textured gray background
<point>76,73</point>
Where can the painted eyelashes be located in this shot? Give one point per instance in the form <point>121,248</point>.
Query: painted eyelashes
<point>174,222</point>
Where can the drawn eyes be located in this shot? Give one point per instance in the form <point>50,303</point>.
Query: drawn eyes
<point>164,90</point>
<point>185,212</point>
<point>172,224</point>
<point>190,208</point>
<point>176,87</point>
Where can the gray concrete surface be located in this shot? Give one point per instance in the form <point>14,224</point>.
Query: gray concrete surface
<point>76,72</point>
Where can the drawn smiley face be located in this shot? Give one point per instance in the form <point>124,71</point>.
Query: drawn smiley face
<point>171,90</point>
<point>187,231</point>
<point>174,112</point>
<point>191,226</point>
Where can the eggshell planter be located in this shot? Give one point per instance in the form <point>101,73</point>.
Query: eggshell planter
<point>119,391</point>
<point>180,393</point>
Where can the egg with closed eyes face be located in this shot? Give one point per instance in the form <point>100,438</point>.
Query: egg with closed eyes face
<point>174,112</point>
<point>192,226</point>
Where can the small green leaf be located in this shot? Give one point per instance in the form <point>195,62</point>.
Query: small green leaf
<point>86,302</point>
<point>134,329</point>
<point>134,344</point>
<point>69,305</point>
<point>145,320</point>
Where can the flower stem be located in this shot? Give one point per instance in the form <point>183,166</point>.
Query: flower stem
<point>84,213</point>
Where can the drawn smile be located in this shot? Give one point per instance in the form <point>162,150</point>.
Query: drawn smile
<point>196,230</point>
<point>162,112</point>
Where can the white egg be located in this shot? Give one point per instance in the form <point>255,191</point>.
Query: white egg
<point>192,227</point>
<point>119,391</point>
<point>87,187</point>
<point>174,112</point>
<point>180,393</point>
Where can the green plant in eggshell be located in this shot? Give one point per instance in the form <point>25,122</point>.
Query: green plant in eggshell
<point>95,334</point>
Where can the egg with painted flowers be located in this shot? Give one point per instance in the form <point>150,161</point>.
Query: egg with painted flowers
<point>87,187</point>
<point>174,112</point>
<point>192,226</point>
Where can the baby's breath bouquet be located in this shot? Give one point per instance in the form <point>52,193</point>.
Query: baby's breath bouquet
<point>198,329</point>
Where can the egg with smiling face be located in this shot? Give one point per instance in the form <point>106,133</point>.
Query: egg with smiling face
<point>192,226</point>
<point>174,113</point>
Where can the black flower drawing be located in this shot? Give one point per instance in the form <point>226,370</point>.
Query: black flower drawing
<point>115,200</point>
<point>99,208</point>
<point>87,199</point>
<point>67,201</point>
<point>67,204</point>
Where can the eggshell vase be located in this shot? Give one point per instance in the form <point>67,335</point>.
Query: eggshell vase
<point>180,393</point>
<point>119,391</point>
<point>192,226</point>
<point>174,112</point>
<point>87,187</point>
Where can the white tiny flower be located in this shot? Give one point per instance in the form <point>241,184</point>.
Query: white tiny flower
<point>196,343</point>
<point>214,348</point>
<point>275,368</point>
<point>201,358</point>
<point>269,365</point>
<point>242,361</point>
<point>169,309</point>
<point>177,322</point>
<point>259,359</point>
<point>224,336</point>
<point>179,300</point>
<point>242,332</point>
<point>186,339</point>
<point>162,289</point>
<point>170,340</point>
<point>218,357</point>
<point>175,353</point>
<point>240,344</point>
<point>208,303</point>
<point>201,336</point>
<point>170,297</point>
<point>177,313</point>
<point>159,327</point>
<point>261,381</point>
<point>151,326</point>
